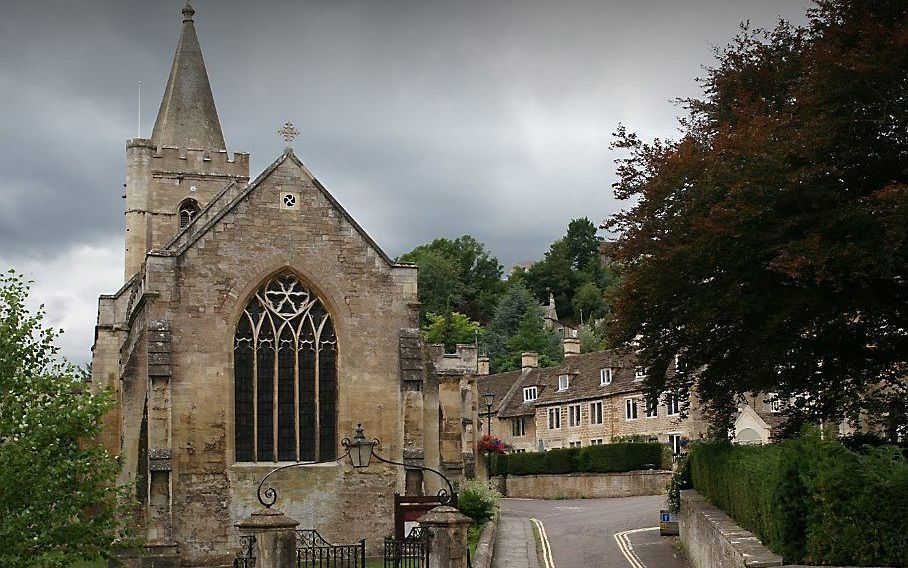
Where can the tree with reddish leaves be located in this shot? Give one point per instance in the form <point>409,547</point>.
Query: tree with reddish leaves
<point>767,245</point>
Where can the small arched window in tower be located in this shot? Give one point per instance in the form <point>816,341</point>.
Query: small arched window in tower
<point>189,208</point>
<point>285,375</point>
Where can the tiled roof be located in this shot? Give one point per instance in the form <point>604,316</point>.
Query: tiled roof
<point>584,381</point>
<point>500,384</point>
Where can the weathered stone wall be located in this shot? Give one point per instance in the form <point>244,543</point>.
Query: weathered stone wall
<point>202,294</point>
<point>711,539</point>
<point>159,179</point>
<point>583,485</point>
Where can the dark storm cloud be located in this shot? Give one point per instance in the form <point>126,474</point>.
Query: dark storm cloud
<point>424,118</point>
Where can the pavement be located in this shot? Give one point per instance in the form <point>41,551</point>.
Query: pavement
<point>515,546</point>
<point>581,534</point>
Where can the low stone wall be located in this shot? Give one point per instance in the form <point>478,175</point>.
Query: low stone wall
<point>711,539</point>
<point>583,485</point>
<point>486,545</point>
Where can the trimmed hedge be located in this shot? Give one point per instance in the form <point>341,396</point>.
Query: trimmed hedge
<point>604,458</point>
<point>811,501</point>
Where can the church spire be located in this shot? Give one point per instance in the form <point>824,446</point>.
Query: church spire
<point>187,117</point>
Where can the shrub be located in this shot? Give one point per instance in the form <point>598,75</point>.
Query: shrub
<point>605,458</point>
<point>478,501</point>
<point>560,460</point>
<point>620,457</point>
<point>810,500</point>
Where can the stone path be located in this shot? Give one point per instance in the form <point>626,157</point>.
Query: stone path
<point>515,546</point>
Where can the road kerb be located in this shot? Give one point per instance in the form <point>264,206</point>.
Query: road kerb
<point>627,549</point>
<point>546,548</point>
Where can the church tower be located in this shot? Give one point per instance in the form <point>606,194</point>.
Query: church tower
<point>184,165</point>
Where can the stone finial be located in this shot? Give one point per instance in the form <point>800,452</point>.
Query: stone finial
<point>188,12</point>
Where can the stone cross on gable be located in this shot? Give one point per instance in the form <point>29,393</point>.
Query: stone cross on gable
<point>288,132</point>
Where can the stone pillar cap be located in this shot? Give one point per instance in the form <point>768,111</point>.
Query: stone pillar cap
<point>265,520</point>
<point>444,515</point>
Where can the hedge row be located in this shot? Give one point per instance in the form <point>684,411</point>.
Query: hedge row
<point>812,501</point>
<point>604,458</point>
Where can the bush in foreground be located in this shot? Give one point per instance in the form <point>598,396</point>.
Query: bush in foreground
<point>478,501</point>
<point>58,501</point>
<point>812,501</point>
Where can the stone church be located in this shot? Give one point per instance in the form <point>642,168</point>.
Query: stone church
<point>257,326</point>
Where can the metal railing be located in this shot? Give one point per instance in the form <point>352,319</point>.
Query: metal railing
<point>313,551</point>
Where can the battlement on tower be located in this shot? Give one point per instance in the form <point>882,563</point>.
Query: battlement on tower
<point>192,160</point>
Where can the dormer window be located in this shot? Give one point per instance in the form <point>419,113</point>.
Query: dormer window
<point>639,373</point>
<point>530,394</point>
<point>564,382</point>
<point>605,376</point>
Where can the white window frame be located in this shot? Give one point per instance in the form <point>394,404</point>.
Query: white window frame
<point>530,394</point>
<point>519,427</point>
<point>674,441</point>
<point>574,415</point>
<point>652,408</point>
<point>596,414</point>
<point>605,376</point>
<point>630,403</point>
<point>555,418</point>
<point>596,442</point>
<point>672,404</point>
<point>775,404</point>
<point>577,444</point>
<point>639,373</point>
<point>564,382</point>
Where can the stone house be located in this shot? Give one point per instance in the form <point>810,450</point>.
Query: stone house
<point>592,398</point>
<point>257,326</point>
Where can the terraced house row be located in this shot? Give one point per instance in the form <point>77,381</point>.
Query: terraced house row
<point>593,398</point>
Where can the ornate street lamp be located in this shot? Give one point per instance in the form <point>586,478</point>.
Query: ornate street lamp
<point>489,397</point>
<point>361,450</point>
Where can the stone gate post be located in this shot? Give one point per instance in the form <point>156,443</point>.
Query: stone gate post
<point>447,528</point>
<point>275,538</point>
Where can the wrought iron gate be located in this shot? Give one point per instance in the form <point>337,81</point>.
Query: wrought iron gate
<point>411,552</point>
<point>312,551</point>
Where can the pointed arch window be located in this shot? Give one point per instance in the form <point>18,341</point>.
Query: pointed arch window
<point>188,209</point>
<point>285,375</point>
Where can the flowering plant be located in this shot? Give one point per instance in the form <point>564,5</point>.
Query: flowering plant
<point>492,445</point>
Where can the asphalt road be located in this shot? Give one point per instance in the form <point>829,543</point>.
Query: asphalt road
<point>581,532</point>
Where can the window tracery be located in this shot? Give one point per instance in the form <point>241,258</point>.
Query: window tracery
<point>188,209</point>
<point>285,373</point>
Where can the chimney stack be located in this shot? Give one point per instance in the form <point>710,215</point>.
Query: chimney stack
<point>529,360</point>
<point>482,365</point>
<point>571,345</point>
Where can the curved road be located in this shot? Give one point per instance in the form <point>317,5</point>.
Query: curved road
<point>581,532</point>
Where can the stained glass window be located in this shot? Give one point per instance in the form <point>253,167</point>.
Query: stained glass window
<point>285,375</point>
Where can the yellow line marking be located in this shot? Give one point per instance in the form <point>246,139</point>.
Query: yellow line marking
<point>546,548</point>
<point>627,549</point>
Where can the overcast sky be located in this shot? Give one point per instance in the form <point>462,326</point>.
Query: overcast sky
<point>424,118</point>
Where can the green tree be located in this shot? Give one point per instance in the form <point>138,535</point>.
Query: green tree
<point>450,329</point>
<point>531,335</point>
<point>457,275</point>
<point>556,274</point>
<point>588,302</point>
<point>58,501</point>
<point>517,313</point>
<point>590,339</point>
<point>768,244</point>
<point>582,243</point>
